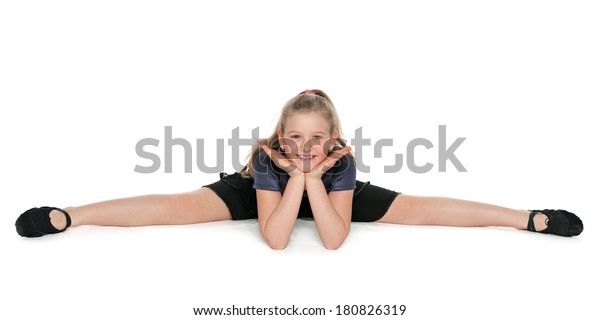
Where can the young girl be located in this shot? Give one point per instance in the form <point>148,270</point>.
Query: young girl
<point>304,169</point>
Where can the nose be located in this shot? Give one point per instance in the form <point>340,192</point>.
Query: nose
<point>307,145</point>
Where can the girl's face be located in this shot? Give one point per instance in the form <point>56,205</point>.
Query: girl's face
<point>306,140</point>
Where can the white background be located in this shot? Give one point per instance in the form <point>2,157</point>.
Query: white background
<point>82,82</point>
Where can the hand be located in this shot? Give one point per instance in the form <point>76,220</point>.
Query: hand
<point>318,171</point>
<point>282,162</point>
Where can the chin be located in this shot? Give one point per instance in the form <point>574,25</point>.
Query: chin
<point>313,163</point>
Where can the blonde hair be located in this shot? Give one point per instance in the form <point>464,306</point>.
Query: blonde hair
<point>304,102</point>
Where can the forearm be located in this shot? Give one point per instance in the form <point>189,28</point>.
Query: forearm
<point>330,225</point>
<point>280,224</point>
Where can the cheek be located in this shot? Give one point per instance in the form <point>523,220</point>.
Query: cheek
<point>323,149</point>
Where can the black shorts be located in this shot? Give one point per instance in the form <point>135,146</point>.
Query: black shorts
<point>370,202</point>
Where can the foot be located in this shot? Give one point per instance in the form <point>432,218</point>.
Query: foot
<point>37,222</point>
<point>558,222</point>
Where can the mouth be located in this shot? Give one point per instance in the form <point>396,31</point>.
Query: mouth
<point>309,157</point>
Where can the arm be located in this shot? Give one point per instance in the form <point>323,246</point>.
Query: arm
<point>332,213</point>
<point>277,214</point>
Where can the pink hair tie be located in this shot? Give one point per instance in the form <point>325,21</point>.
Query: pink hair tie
<point>309,92</point>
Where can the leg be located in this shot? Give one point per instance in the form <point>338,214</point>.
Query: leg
<point>415,210</point>
<point>201,205</point>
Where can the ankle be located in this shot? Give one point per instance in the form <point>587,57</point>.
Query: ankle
<point>75,214</point>
<point>540,222</point>
<point>58,219</point>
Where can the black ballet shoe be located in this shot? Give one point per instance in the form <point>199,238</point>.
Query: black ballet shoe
<point>35,222</point>
<point>558,222</point>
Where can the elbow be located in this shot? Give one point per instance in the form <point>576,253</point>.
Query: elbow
<point>274,243</point>
<point>333,245</point>
<point>277,245</point>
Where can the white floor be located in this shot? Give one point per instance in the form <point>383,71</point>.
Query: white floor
<point>164,272</point>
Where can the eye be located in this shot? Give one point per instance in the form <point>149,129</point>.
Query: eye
<point>318,137</point>
<point>295,136</point>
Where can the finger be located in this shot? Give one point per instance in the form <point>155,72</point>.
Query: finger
<point>326,164</point>
<point>339,153</point>
<point>345,150</point>
<point>266,149</point>
<point>279,160</point>
<point>270,153</point>
<point>330,161</point>
<point>276,156</point>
